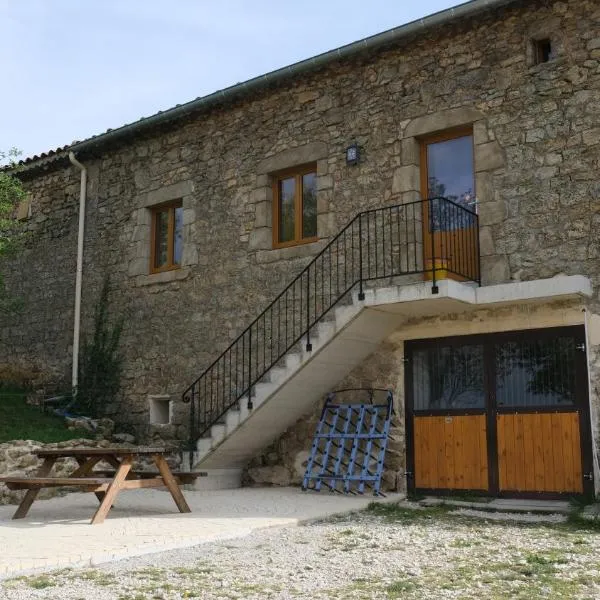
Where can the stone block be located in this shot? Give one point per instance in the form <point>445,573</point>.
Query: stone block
<point>411,151</point>
<point>138,266</point>
<point>492,213</point>
<point>494,269</point>
<point>324,182</point>
<point>261,194</point>
<point>484,187</point>
<point>486,241</point>
<point>441,120</point>
<point>167,193</point>
<point>323,201</point>
<point>261,238</point>
<point>190,255</point>
<point>489,157</point>
<point>480,133</point>
<point>406,179</point>
<point>322,167</point>
<point>293,157</point>
<point>326,224</point>
<point>263,215</point>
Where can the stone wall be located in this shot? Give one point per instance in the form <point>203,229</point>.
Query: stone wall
<point>536,131</point>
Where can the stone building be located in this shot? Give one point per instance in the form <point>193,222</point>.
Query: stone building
<point>481,309</point>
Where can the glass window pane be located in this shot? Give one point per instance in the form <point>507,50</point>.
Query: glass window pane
<point>309,205</point>
<point>536,373</point>
<point>450,170</point>
<point>450,173</point>
<point>178,236</point>
<point>161,238</point>
<point>448,377</point>
<point>287,209</point>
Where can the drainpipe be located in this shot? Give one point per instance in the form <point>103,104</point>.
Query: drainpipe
<point>79,273</point>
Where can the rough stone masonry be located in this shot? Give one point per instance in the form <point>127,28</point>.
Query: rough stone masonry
<point>536,132</point>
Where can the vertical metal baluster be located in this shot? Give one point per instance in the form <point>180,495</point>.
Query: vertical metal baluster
<point>414,222</point>
<point>308,344</point>
<point>399,240</point>
<point>250,405</point>
<point>434,288</point>
<point>193,429</point>
<point>368,215</point>
<point>316,314</point>
<point>478,279</point>
<point>361,292</point>
<point>391,244</point>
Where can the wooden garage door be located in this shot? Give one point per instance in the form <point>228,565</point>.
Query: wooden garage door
<point>505,414</point>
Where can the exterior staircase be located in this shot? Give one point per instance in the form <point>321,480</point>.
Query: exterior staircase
<point>330,318</point>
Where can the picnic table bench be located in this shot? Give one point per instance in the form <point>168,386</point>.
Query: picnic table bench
<point>106,484</point>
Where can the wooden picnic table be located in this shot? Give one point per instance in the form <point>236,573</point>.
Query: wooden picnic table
<point>106,484</point>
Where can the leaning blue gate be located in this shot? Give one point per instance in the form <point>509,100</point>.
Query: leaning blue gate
<point>348,450</point>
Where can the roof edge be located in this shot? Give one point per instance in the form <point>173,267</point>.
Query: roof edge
<point>464,10</point>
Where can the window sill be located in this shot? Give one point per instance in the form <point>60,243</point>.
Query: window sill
<point>163,277</point>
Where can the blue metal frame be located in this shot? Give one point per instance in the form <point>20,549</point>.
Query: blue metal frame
<point>348,449</point>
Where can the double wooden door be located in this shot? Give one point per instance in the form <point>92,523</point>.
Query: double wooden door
<point>503,414</point>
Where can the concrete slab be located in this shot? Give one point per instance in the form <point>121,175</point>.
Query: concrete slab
<point>504,505</point>
<point>57,534</point>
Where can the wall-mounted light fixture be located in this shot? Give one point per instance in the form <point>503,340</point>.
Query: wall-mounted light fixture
<point>352,154</point>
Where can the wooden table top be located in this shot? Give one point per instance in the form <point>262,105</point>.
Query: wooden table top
<point>81,451</point>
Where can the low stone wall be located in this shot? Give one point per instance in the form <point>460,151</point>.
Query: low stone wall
<point>17,459</point>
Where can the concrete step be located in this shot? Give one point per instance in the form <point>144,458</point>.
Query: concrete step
<point>232,420</point>
<point>217,433</point>
<point>217,479</point>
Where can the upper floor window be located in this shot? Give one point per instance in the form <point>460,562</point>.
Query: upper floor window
<point>295,207</point>
<point>167,237</point>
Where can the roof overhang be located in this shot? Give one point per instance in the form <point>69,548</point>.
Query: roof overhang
<point>234,92</point>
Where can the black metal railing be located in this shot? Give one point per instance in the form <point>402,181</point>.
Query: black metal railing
<point>435,237</point>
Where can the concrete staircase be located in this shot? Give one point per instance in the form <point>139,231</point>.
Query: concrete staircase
<point>289,392</point>
<point>354,331</point>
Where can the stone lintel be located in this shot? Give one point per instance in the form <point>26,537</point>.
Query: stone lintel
<point>293,157</point>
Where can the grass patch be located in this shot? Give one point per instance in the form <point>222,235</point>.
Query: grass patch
<point>399,589</point>
<point>21,421</point>
<point>396,513</point>
<point>40,583</point>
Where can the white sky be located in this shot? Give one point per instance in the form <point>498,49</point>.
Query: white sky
<point>74,68</point>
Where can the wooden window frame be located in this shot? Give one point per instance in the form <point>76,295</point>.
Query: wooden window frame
<point>298,173</point>
<point>170,265</point>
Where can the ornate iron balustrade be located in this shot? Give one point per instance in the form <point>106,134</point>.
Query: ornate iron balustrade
<point>435,237</point>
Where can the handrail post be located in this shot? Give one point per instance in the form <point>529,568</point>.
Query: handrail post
<point>361,291</point>
<point>478,249</point>
<point>308,344</point>
<point>250,405</point>
<point>193,433</point>
<point>434,288</point>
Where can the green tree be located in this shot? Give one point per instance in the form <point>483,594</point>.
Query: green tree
<point>11,194</point>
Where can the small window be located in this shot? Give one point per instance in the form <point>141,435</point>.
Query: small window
<point>167,237</point>
<point>295,208</point>
<point>160,410</point>
<point>542,51</point>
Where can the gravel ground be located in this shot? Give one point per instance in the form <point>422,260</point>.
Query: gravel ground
<point>385,552</point>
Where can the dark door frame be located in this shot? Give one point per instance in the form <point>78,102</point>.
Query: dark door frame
<point>488,340</point>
